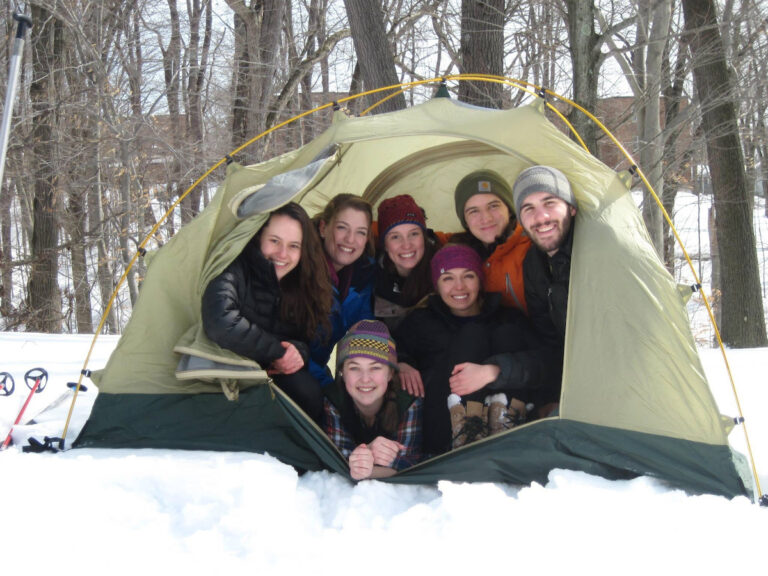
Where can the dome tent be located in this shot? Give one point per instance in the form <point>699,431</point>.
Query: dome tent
<point>634,400</point>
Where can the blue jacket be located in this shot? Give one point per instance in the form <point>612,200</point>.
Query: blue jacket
<point>356,306</point>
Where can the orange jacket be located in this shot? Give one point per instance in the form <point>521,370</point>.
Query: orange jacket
<point>504,270</point>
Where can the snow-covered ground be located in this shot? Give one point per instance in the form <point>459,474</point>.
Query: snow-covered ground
<point>155,511</point>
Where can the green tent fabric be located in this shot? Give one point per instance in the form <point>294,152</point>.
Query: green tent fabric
<point>635,398</point>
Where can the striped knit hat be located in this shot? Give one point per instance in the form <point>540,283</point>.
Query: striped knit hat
<point>369,339</point>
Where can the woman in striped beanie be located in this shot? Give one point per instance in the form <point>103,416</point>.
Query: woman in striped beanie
<point>371,420</point>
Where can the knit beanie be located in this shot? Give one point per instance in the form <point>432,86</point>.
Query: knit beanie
<point>480,182</point>
<point>455,256</point>
<point>398,210</point>
<point>369,339</point>
<point>542,179</point>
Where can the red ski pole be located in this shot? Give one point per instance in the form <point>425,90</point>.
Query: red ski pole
<point>39,375</point>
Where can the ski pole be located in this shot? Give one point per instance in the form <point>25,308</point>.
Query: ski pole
<point>13,81</point>
<point>38,375</point>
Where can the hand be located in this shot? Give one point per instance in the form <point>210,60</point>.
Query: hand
<point>385,451</point>
<point>290,362</point>
<point>410,380</point>
<point>468,377</point>
<point>361,462</point>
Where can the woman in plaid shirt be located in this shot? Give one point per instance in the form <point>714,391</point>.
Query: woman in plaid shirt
<point>373,422</point>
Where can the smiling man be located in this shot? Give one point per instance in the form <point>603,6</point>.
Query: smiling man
<point>546,208</point>
<point>483,202</point>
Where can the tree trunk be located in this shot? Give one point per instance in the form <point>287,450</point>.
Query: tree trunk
<point>6,267</point>
<point>743,322</point>
<point>82,289</point>
<point>257,29</point>
<point>585,60</point>
<point>656,31</point>
<point>482,51</point>
<point>716,295</point>
<point>673,93</point>
<point>44,294</point>
<point>97,229</point>
<point>374,54</point>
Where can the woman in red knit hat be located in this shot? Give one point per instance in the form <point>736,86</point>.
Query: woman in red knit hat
<point>406,247</point>
<point>403,276</point>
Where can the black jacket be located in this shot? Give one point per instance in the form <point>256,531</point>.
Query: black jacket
<point>546,289</point>
<point>433,340</point>
<point>241,310</point>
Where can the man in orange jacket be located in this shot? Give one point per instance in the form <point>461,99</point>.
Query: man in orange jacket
<point>484,206</point>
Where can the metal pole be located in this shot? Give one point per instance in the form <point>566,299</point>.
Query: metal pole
<point>13,79</point>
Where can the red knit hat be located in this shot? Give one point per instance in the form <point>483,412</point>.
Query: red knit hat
<point>455,256</point>
<point>398,210</point>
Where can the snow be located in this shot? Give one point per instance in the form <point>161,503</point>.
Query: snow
<point>119,512</point>
<point>90,511</point>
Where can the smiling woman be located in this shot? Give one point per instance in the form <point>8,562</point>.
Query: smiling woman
<point>345,228</point>
<point>371,420</point>
<point>464,343</point>
<point>406,249</point>
<point>271,301</point>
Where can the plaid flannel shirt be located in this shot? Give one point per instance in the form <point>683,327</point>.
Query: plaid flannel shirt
<point>408,433</point>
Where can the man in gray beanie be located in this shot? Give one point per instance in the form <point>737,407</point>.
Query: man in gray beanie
<point>545,204</point>
<point>546,208</point>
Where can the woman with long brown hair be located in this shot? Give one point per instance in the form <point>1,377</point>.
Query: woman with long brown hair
<point>272,300</point>
<point>345,228</point>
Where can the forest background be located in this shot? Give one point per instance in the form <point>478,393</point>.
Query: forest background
<point>123,104</point>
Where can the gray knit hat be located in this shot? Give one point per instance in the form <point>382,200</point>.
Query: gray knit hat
<point>542,179</point>
<point>480,182</point>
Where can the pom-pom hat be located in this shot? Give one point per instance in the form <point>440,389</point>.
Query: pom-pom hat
<point>398,210</point>
<point>367,339</point>
<point>455,256</point>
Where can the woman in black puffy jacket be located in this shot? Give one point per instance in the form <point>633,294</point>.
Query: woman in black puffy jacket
<point>272,300</point>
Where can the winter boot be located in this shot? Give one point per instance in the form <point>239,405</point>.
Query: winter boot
<point>517,413</point>
<point>458,415</point>
<point>475,427</point>
<point>497,413</point>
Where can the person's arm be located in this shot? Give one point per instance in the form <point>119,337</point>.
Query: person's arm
<point>409,434</point>
<point>530,362</point>
<point>225,324</point>
<point>335,430</point>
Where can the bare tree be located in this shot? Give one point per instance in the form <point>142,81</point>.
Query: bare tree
<point>585,63</point>
<point>374,54</point>
<point>482,50</point>
<point>257,30</point>
<point>44,295</point>
<point>743,322</point>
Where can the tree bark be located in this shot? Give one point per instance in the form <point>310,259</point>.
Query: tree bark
<point>257,28</point>
<point>374,54</point>
<point>585,61</point>
<point>482,51</point>
<point>44,294</point>
<point>653,25</point>
<point>743,322</point>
